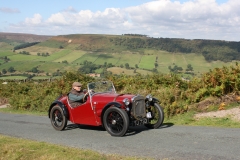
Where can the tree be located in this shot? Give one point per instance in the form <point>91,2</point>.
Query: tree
<point>4,71</point>
<point>126,65</point>
<point>155,70</point>
<point>105,64</point>
<point>189,67</point>
<point>175,69</point>
<point>65,61</point>
<point>38,54</point>
<point>136,65</point>
<point>156,65</point>
<point>34,70</point>
<point>11,69</point>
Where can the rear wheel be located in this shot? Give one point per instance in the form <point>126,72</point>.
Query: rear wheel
<point>58,119</point>
<point>157,117</point>
<point>116,121</point>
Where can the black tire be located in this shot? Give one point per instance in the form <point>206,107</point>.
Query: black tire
<point>116,121</point>
<point>58,119</point>
<point>157,117</point>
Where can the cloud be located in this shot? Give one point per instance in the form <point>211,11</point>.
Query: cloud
<point>195,19</point>
<point>37,19</point>
<point>9,10</point>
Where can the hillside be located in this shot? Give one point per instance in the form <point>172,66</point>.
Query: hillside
<point>129,54</point>
<point>22,37</point>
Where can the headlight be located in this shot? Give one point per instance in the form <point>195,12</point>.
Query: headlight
<point>149,97</point>
<point>126,101</point>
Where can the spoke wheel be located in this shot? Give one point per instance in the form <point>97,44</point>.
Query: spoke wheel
<point>116,121</point>
<point>157,117</point>
<point>58,120</point>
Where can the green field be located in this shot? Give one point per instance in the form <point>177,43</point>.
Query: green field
<point>6,53</point>
<point>51,67</point>
<point>21,57</point>
<point>33,50</point>
<point>118,70</point>
<point>10,64</point>
<point>109,58</point>
<point>71,57</point>
<point>54,56</point>
<point>5,46</point>
<point>91,57</point>
<point>13,77</point>
<point>131,58</point>
<point>147,62</point>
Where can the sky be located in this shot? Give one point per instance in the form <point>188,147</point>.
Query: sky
<point>189,19</point>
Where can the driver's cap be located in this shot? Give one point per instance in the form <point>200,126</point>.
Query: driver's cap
<point>75,84</point>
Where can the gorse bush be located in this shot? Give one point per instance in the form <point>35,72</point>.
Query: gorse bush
<point>175,94</point>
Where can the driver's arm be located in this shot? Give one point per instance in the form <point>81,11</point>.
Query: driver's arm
<point>74,97</point>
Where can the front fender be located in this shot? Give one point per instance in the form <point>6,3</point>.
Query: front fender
<point>154,100</point>
<point>64,108</point>
<point>116,104</point>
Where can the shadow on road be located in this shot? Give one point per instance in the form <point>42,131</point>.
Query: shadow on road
<point>131,130</point>
<point>139,129</point>
<point>166,125</point>
<point>78,126</point>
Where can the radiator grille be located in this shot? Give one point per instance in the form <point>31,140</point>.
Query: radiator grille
<point>138,107</point>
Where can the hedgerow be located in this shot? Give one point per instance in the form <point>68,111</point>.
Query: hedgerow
<point>175,94</point>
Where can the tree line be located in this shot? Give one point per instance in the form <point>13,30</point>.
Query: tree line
<point>212,50</point>
<point>24,45</point>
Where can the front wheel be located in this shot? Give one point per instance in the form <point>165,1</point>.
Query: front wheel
<point>58,119</point>
<point>157,116</point>
<point>116,121</point>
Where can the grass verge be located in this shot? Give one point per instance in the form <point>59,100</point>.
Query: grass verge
<point>17,148</point>
<point>188,119</point>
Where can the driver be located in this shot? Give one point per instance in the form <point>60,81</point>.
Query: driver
<point>76,95</point>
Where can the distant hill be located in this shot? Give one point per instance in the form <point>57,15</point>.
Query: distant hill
<point>22,37</point>
<point>212,50</point>
<point>128,54</point>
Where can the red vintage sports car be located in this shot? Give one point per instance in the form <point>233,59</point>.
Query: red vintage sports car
<point>104,107</point>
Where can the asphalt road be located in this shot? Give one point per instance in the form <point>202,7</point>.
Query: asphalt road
<point>169,141</point>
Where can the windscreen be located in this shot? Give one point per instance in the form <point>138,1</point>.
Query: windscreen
<point>103,86</point>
